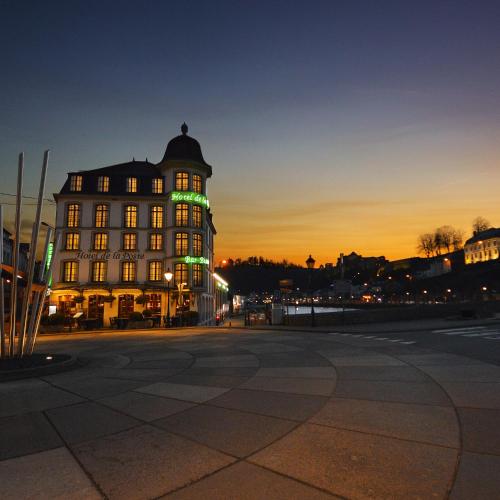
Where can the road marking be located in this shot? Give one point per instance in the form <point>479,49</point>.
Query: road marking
<point>395,340</point>
<point>483,334</point>
<point>408,342</point>
<point>451,331</point>
<point>381,338</point>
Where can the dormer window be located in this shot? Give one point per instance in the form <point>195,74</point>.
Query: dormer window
<point>103,184</point>
<point>131,184</point>
<point>181,181</point>
<point>75,183</point>
<point>157,186</point>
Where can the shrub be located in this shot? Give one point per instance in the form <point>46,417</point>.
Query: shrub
<point>135,316</point>
<point>53,319</point>
<point>147,313</point>
<point>142,299</point>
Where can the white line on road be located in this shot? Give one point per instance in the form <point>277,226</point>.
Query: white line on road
<point>408,342</point>
<point>449,331</point>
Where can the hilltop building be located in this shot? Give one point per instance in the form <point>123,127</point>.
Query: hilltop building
<point>124,226</point>
<point>483,246</point>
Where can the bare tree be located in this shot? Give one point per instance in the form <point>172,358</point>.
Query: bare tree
<point>443,237</point>
<point>480,224</point>
<point>426,244</point>
<point>458,239</point>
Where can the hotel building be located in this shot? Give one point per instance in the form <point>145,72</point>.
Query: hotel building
<point>122,227</point>
<point>483,246</point>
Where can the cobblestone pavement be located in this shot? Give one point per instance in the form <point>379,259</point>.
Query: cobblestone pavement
<point>232,413</point>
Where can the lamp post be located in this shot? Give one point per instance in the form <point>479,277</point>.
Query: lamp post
<point>310,265</point>
<point>168,277</point>
<point>180,287</point>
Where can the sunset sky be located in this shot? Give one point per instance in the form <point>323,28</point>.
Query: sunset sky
<point>331,126</point>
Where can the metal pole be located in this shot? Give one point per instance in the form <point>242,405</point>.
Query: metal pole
<point>168,304</point>
<point>2,311</point>
<point>15,258</point>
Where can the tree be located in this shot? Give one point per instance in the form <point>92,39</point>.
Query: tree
<point>480,224</point>
<point>443,237</point>
<point>458,239</point>
<point>426,244</point>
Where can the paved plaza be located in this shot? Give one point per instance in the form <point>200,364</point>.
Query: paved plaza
<point>232,413</point>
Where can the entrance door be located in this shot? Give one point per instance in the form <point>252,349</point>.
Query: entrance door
<point>125,305</point>
<point>96,307</point>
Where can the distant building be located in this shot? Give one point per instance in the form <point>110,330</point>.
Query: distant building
<point>356,262</point>
<point>483,246</point>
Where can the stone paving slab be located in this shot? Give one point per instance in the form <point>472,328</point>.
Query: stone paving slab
<point>314,387</point>
<point>244,361</point>
<point>298,372</point>
<point>245,481</point>
<point>269,347</point>
<point>480,430</point>
<point>438,359</point>
<point>146,462</point>
<point>382,373</point>
<point>464,373</point>
<point>361,466</point>
<point>474,394</point>
<point>363,360</point>
<point>45,476</point>
<point>185,392</point>
<point>231,431</point>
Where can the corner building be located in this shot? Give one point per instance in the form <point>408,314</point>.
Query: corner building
<point>122,227</point>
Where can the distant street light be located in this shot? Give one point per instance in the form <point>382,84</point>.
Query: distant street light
<point>310,265</point>
<point>168,277</point>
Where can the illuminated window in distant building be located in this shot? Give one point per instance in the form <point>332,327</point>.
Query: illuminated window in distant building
<point>155,241</point>
<point>197,183</point>
<point>129,241</point>
<point>130,216</point>
<point>197,215</point>
<point>181,273</point>
<point>70,271</point>
<point>197,275</point>
<point>197,245</point>
<point>156,216</point>
<point>101,216</point>
<point>181,244</point>
<point>103,184</point>
<point>128,270</point>
<point>157,187</point>
<point>131,184</point>
<point>76,183</point>
<point>72,241</point>
<point>99,271</point>
<point>100,241</point>
<point>181,181</point>
<point>181,214</point>
<point>73,215</point>
<point>154,271</point>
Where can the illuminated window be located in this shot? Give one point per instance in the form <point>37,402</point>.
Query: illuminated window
<point>100,241</point>
<point>155,241</point>
<point>197,183</point>
<point>182,214</point>
<point>72,241</point>
<point>70,271</point>
<point>129,241</point>
<point>157,216</point>
<point>101,216</point>
<point>197,245</point>
<point>103,184</point>
<point>130,216</point>
<point>131,184</point>
<point>76,183</point>
<point>128,270</point>
<point>157,187</point>
<point>197,275</point>
<point>181,243</point>
<point>197,215</point>
<point>154,270</point>
<point>99,271</point>
<point>73,215</point>
<point>181,181</point>
<point>180,273</point>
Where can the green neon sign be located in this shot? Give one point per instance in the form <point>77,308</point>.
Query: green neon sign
<point>190,197</point>
<point>50,252</point>
<point>195,260</point>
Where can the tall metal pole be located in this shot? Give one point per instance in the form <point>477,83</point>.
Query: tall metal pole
<point>15,258</point>
<point>31,263</point>
<point>168,303</point>
<point>2,304</point>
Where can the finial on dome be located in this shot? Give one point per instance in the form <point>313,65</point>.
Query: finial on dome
<point>184,129</point>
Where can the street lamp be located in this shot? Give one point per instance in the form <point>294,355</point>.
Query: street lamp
<point>168,277</point>
<point>180,287</point>
<point>310,265</point>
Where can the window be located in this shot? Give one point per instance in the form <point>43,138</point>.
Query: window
<point>197,216</point>
<point>103,184</point>
<point>131,184</point>
<point>154,303</point>
<point>129,241</point>
<point>130,216</point>
<point>197,275</point>
<point>181,214</point>
<point>157,186</point>
<point>181,244</point>
<point>70,271</point>
<point>72,241</point>
<point>197,183</point>
<point>101,216</point>
<point>128,270</point>
<point>181,273</point>
<point>181,181</point>
<point>155,241</point>
<point>73,215</point>
<point>197,245</point>
<point>156,216</point>
<point>100,241</point>
<point>75,183</point>
<point>99,271</point>
<point>154,270</point>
